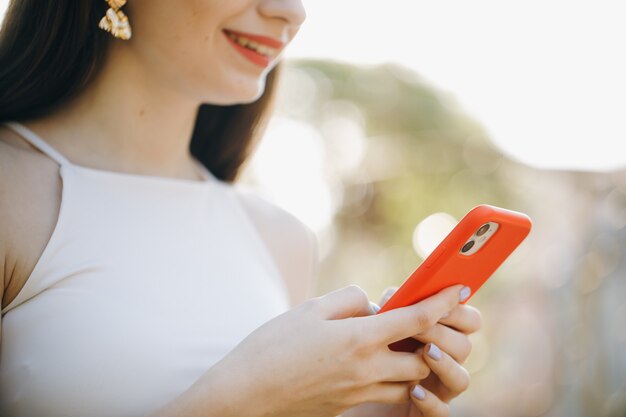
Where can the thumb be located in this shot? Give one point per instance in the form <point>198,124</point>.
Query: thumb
<point>350,301</point>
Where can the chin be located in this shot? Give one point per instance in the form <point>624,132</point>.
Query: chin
<point>238,93</point>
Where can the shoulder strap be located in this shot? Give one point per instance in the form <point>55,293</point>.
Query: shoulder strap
<point>35,140</point>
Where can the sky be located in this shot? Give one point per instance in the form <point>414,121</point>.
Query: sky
<point>545,77</point>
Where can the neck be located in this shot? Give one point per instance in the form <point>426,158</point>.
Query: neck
<point>127,121</point>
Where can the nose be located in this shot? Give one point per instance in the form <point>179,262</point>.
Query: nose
<point>291,11</point>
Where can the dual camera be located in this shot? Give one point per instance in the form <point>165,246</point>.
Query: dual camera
<point>479,238</point>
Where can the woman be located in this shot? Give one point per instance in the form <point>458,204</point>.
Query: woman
<point>137,279</point>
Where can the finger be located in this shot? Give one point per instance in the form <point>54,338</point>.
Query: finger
<point>463,318</point>
<point>374,307</point>
<point>386,393</point>
<point>386,295</point>
<point>457,344</point>
<point>428,403</point>
<point>350,301</point>
<point>404,322</point>
<point>401,366</point>
<point>453,376</point>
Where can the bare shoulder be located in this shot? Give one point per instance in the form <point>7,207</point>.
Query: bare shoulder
<point>30,190</point>
<point>291,243</point>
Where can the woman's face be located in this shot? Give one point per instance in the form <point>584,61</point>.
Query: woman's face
<point>215,51</point>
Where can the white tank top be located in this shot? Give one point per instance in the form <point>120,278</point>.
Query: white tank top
<point>145,283</point>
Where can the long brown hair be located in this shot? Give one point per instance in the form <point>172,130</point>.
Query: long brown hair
<point>51,50</point>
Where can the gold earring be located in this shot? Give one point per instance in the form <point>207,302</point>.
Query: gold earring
<point>115,21</point>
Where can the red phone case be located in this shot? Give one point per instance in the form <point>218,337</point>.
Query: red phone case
<point>446,266</point>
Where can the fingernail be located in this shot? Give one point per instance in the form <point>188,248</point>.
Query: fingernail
<point>464,294</point>
<point>434,352</point>
<point>375,307</point>
<point>445,316</point>
<point>388,292</point>
<point>418,392</point>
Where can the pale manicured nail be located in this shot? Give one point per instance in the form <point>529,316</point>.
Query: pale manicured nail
<point>434,352</point>
<point>375,307</point>
<point>464,294</point>
<point>418,392</point>
<point>387,294</point>
<point>389,291</point>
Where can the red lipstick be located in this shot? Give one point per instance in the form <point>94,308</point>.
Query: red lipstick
<point>258,49</point>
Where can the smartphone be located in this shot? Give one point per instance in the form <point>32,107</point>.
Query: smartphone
<point>469,255</point>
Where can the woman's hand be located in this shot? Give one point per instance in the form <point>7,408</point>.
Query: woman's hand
<point>447,346</point>
<point>324,356</point>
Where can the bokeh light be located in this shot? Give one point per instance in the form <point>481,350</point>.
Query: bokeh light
<point>431,231</point>
<point>544,77</point>
<point>293,149</point>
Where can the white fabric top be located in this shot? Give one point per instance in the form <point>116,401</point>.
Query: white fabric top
<point>145,283</point>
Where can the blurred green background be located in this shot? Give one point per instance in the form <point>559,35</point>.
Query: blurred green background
<point>365,154</point>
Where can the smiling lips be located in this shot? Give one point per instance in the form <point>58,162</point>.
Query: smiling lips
<point>260,50</point>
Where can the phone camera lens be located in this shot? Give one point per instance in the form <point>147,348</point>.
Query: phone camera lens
<point>467,246</point>
<point>482,230</point>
